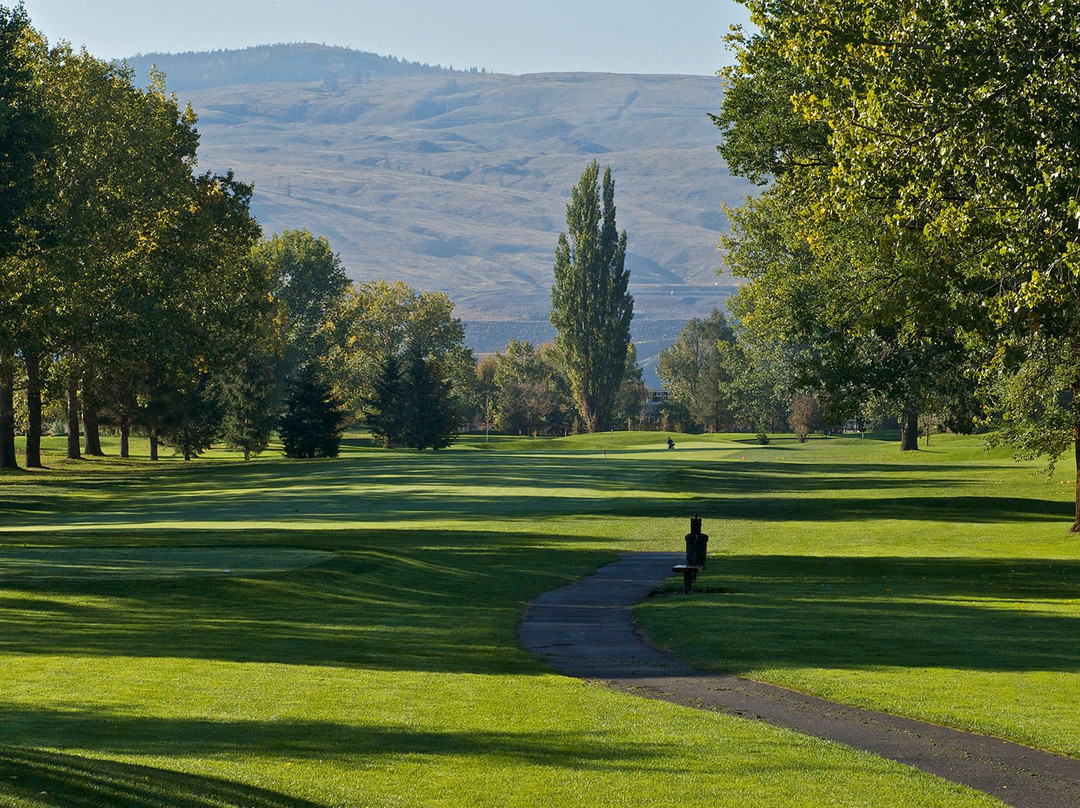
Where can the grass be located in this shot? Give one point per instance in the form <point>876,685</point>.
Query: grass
<point>941,586</point>
<point>362,650</point>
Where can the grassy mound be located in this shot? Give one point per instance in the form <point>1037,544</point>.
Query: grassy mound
<point>152,562</point>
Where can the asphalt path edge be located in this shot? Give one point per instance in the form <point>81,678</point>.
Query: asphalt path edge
<point>587,630</point>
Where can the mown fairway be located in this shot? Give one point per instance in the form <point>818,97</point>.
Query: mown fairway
<point>343,632</point>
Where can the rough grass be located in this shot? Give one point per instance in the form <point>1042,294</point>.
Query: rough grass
<point>362,650</point>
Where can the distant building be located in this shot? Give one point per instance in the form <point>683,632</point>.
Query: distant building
<point>652,406</point>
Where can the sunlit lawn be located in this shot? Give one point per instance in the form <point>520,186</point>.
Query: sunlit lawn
<point>942,586</point>
<point>344,632</point>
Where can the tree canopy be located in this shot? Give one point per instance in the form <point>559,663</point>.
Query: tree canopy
<point>693,370</point>
<point>922,160</point>
<point>127,284</point>
<point>138,289</point>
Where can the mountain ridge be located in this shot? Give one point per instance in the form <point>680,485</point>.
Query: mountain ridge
<point>278,63</point>
<point>458,180</point>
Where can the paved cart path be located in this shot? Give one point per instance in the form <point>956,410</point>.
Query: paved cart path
<point>586,630</point>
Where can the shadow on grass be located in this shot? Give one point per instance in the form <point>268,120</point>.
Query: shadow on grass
<point>966,509</point>
<point>393,487</point>
<point>795,611</point>
<point>289,740</point>
<point>397,603</point>
<point>394,603</point>
<point>38,777</point>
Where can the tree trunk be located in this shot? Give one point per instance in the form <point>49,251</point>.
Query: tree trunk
<point>125,436</point>
<point>153,444</point>
<point>33,409</point>
<point>247,454</point>
<point>1076,472</point>
<point>588,416</point>
<point>909,429</point>
<point>7,413</point>
<point>92,436</point>
<point>73,450</point>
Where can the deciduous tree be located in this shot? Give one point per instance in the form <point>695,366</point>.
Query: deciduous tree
<point>759,386</point>
<point>693,369</point>
<point>308,283</point>
<point>865,305</point>
<point>26,132</point>
<point>632,391</point>
<point>958,122</point>
<point>806,416</point>
<point>524,399</point>
<point>379,318</point>
<point>591,308</point>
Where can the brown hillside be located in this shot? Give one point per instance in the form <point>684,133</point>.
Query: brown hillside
<point>458,181</point>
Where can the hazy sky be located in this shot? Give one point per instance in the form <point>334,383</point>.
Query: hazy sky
<point>507,36</point>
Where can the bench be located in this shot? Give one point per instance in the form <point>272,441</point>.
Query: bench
<point>689,575</point>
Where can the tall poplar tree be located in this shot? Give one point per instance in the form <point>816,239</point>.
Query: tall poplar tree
<point>590,306</point>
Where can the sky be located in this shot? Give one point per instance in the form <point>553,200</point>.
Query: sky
<point>505,36</point>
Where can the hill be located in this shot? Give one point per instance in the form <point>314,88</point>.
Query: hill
<point>303,62</point>
<point>458,181</point>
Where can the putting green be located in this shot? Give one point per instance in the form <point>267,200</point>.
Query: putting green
<point>153,562</point>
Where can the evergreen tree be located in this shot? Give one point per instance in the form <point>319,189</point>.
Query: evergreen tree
<point>590,306</point>
<point>249,393</point>
<point>384,405</point>
<point>192,417</point>
<point>313,419</point>
<point>412,404</point>
<point>427,410</point>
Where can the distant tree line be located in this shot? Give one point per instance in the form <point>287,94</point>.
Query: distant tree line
<point>296,62</point>
<point>526,390</point>
<point>719,379</point>
<point>137,295</point>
